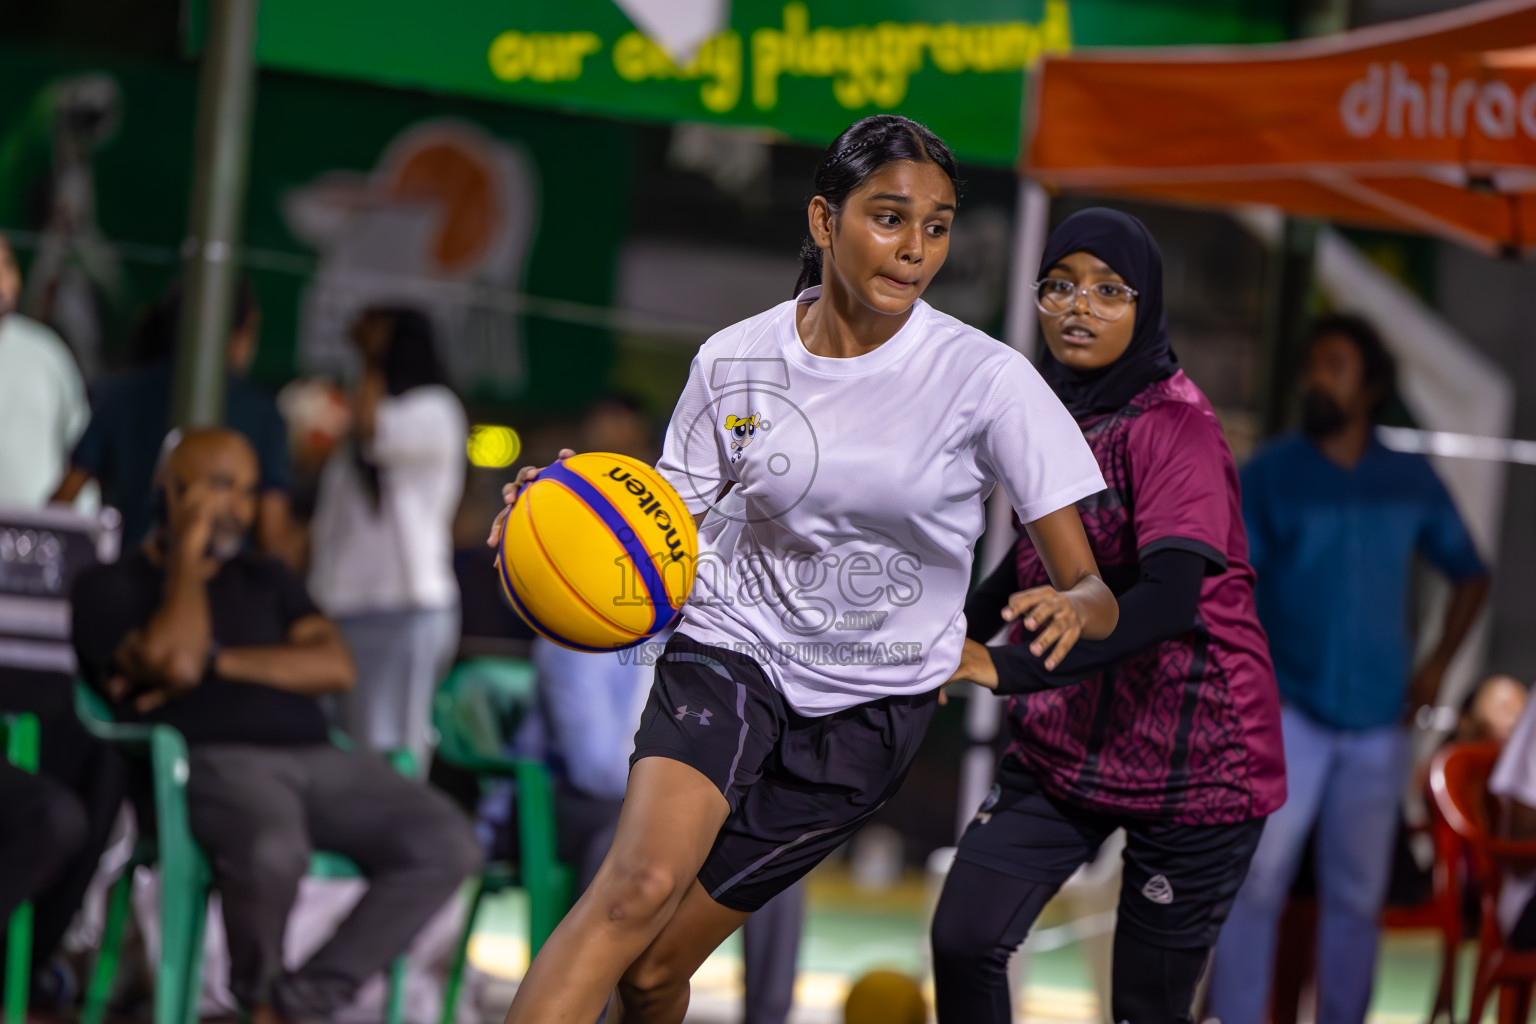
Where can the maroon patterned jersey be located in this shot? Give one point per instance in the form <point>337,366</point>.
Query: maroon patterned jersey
<point>1189,730</point>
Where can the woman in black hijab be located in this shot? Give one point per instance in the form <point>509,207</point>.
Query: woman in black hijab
<point>1170,727</point>
<point>1087,384</point>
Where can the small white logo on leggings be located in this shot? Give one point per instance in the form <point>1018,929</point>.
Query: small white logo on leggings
<point>703,714</point>
<point>1158,890</point>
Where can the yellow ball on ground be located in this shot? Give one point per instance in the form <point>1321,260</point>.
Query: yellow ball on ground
<point>598,553</point>
<point>885,997</point>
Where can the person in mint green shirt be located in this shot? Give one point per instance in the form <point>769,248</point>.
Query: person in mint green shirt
<point>43,409</point>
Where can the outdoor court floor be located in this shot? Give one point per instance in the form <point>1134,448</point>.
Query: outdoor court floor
<point>849,932</point>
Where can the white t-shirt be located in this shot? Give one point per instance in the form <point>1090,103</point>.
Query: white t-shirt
<point>841,557</point>
<point>398,555</point>
<point>42,410</point>
<point>1514,778</point>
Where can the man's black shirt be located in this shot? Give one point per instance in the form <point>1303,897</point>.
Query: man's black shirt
<point>252,602</point>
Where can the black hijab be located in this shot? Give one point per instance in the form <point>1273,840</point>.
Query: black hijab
<point>1124,243</point>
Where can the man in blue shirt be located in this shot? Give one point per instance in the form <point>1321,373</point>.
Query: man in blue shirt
<point>1335,521</point>
<point>131,417</point>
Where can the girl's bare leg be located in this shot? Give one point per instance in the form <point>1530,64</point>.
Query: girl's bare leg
<point>655,988</point>
<point>670,818</point>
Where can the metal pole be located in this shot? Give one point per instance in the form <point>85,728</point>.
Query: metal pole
<point>983,710</point>
<point>1287,308</point>
<point>1290,279</point>
<point>1031,224</point>
<point>220,158</point>
<point>1324,17</point>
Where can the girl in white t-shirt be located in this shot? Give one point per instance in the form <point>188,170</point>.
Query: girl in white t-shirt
<point>836,451</point>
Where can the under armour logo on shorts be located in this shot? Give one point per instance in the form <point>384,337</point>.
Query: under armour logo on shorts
<point>703,714</point>
<point>1158,890</point>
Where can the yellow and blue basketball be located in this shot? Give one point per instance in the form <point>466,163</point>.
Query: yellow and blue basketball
<point>598,552</point>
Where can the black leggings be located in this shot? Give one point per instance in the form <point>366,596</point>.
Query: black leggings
<point>985,915</point>
<point>1178,884</point>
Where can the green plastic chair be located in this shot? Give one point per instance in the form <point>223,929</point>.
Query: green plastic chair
<point>475,712</point>
<point>185,877</point>
<point>22,739</point>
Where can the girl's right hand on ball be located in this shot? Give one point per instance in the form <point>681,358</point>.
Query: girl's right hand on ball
<point>509,493</point>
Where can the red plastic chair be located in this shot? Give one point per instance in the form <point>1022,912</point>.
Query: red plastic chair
<point>1441,912</point>
<point>1459,781</point>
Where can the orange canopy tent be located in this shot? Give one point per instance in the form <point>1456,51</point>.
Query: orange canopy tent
<point>1426,125</point>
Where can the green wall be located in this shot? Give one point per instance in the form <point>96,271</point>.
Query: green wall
<point>303,128</point>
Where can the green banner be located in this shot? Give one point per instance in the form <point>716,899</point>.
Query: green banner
<point>803,69</point>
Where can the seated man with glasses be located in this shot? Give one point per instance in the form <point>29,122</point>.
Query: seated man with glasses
<point>194,630</point>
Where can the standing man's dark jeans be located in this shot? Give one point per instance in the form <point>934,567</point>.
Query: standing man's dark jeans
<point>259,811</point>
<point>1523,935</point>
<point>42,828</point>
<point>584,829</point>
<point>81,768</point>
<point>770,953</point>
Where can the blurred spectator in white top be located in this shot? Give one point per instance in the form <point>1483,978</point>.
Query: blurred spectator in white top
<point>1514,782</point>
<point>43,409</point>
<point>381,542</point>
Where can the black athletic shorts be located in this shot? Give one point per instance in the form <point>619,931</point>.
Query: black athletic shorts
<point>1179,881</point>
<point>797,786</point>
